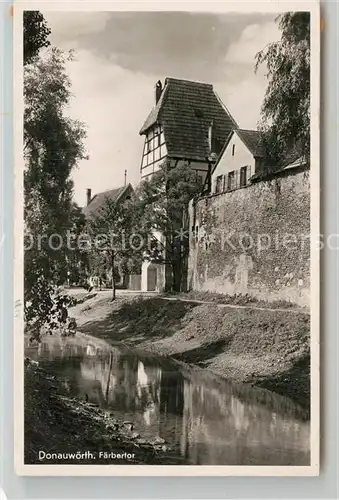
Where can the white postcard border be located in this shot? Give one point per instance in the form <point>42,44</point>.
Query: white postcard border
<point>165,470</point>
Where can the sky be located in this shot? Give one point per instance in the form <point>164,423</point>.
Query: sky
<point>119,56</point>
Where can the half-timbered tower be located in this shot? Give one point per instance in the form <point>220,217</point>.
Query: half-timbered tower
<point>187,125</point>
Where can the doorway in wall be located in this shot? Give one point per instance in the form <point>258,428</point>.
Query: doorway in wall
<point>152,274</point>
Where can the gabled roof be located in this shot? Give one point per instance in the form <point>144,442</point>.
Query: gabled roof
<point>297,165</point>
<point>253,141</point>
<point>98,200</point>
<point>186,110</point>
<point>154,114</point>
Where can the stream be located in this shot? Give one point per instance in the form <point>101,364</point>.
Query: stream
<point>207,419</point>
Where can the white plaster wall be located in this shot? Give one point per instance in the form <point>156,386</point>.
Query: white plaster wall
<point>242,157</point>
<point>144,267</point>
<point>160,276</point>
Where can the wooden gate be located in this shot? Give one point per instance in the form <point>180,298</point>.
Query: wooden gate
<point>152,274</point>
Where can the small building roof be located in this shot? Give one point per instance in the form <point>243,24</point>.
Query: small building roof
<point>298,162</point>
<point>186,109</point>
<point>293,160</point>
<point>98,200</point>
<point>253,141</point>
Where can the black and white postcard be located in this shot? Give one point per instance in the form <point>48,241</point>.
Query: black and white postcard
<point>167,238</point>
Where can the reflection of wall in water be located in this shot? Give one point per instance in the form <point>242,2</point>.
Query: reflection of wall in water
<point>53,347</point>
<point>171,405</point>
<point>148,393</point>
<point>218,428</point>
<point>128,384</point>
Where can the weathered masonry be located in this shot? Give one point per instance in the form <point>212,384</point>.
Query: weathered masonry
<point>254,240</point>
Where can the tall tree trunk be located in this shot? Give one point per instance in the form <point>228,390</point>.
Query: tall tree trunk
<point>176,270</point>
<point>177,265</point>
<point>113,277</point>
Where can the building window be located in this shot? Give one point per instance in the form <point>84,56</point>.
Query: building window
<point>219,184</point>
<point>198,113</point>
<point>243,176</point>
<point>230,180</point>
<point>233,150</point>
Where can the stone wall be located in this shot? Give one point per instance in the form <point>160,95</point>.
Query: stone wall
<point>254,240</point>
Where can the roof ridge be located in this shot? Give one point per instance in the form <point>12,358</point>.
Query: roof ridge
<point>248,130</point>
<point>114,194</point>
<point>168,79</point>
<point>185,130</point>
<point>111,189</point>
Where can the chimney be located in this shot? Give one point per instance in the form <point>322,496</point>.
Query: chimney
<point>88,195</point>
<point>158,90</point>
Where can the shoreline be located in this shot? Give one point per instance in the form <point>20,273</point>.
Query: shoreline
<point>194,336</point>
<point>240,344</point>
<point>62,429</point>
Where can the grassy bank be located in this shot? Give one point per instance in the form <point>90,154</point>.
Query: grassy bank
<point>266,348</point>
<point>56,423</point>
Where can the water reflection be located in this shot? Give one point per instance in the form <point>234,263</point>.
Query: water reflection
<point>207,419</point>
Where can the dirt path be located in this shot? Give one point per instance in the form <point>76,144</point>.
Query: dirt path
<point>238,306</point>
<point>124,294</point>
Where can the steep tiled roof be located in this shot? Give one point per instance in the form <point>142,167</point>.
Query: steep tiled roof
<point>154,114</point>
<point>253,140</point>
<point>99,199</point>
<point>186,110</point>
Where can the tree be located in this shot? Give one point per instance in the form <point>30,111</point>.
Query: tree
<point>53,146</point>
<point>115,239</point>
<point>285,110</point>
<point>163,204</point>
<point>36,33</point>
<point>76,257</point>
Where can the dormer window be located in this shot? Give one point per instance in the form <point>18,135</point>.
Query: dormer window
<point>198,113</point>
